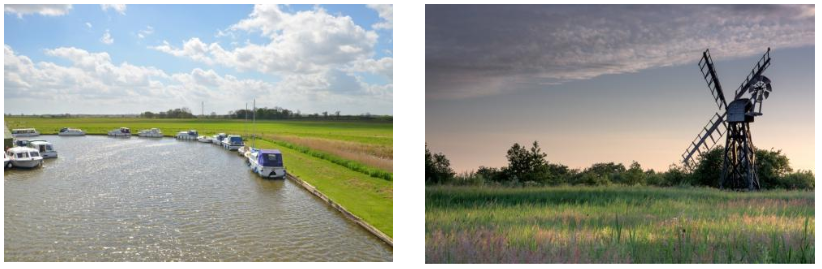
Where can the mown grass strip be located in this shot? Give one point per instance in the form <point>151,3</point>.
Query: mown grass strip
<point>355,166</point>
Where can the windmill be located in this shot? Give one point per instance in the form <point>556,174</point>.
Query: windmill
<point>733,121</point>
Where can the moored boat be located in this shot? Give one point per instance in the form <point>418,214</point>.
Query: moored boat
<point>267,163</point>
<point>233,142</point>
<point>217,139</point>
<point>24,157</point>
<point>70,132</point>
<point>121,132</point>
<point>45,148</point>
<point>204,139</point>
<point>153,133</point>
<point>27,132</point>
<point>187,135</point>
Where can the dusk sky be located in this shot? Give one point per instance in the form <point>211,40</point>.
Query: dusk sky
<point>609,83</point>
<point>107,59</point>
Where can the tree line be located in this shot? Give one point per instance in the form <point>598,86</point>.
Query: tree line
<point>263,113</point>
<point>528,167</point>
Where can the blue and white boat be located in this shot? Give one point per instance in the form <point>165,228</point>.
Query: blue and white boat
<point>187,135</point>
<point>122,132</point>
<point>217,139</point>
<point>267,163</point>
<point>233,142</point>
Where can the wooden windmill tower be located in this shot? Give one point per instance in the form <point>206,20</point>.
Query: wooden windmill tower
<point>739,164</point>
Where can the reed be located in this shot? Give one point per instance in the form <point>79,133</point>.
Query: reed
<point>617,225</point>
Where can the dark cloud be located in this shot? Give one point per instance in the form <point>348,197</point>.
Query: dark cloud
<point>477,50</point>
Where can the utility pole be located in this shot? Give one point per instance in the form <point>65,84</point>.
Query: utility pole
<point>254,124</point>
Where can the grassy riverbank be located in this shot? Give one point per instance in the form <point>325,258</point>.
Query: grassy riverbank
<point>350,162</point>
<point>617,225</point>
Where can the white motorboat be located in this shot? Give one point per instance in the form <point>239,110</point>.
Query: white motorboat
<point>267,163</point>
<point>187,135</point>
<point>204,139</point>
<point>153,132</point>
<point>71,132</point>
<point>6,160</point>
<point>25,157</point>
<point>217,139</point>
<point>121,132</point>
<point>233,142</point>
<point>45,148</point>
<point>27,132</point>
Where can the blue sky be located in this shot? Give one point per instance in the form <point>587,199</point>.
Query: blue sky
<point>354,81</point>
<point>617,84</point>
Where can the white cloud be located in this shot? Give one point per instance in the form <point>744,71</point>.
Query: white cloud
<point>528,47</point>
<point>106,39</point>
<point>93,84</point>
<point>386,13</point>
<point>145,32</point>
<point>384,67</point>
<point>44,10</point>
<point>120,8</point>
<point>303,42</point>
<point>316,55</point>
<point>88,24</point>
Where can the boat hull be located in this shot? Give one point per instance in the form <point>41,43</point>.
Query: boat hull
<point>268,172</point>
<point>32,163</point>
<point>48,154</point>
<point>232,147</point>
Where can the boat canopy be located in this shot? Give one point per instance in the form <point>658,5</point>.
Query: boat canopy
<point>270,157</point>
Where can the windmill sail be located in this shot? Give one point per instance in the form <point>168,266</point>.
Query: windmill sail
<point>706,65</point>
<point>760,67</point>
<point>705,140</point>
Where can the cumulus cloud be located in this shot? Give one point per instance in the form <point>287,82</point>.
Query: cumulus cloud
<point>106,39</point>
<point>44,10</point>
<point>310,41</point>
<point>383,66</point>
<point>527,47</point>
<point>386,13</point>
<point>119,8</point>
<point>316,55</point>
<point>92,80</point>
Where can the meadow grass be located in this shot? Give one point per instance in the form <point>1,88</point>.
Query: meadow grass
<point>617,225</point>
<point>364,190</point>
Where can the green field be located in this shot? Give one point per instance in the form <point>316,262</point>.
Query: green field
<point>617,225</point>
<point>350,162</point>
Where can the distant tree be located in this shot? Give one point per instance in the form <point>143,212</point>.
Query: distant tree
<point>799,180</point>
<point>437,168</point>
<point>709,168</point>
<point>526,165</point>
<point>634,175</point>
<point>772,166</point>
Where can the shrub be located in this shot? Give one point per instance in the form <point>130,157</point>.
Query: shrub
<point>799,180</point>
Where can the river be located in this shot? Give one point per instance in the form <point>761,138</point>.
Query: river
<point>143,199</point>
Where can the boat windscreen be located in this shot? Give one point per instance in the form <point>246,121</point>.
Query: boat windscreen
<point>270,159</point>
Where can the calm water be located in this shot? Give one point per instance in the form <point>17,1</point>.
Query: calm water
<point>138,199</point>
